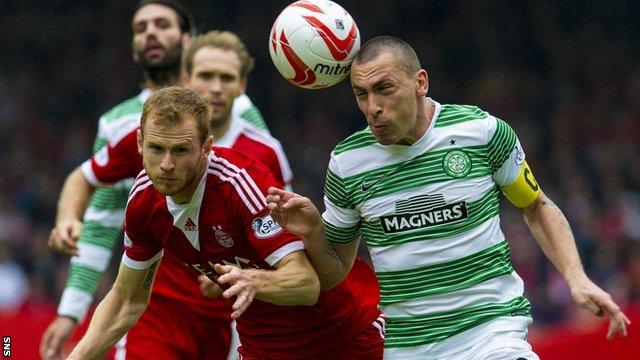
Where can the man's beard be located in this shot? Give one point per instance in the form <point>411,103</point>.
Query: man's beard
<point>218,122</point>
<point>167,70</point>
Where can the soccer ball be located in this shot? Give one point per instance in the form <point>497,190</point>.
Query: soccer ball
<point>313,42</point>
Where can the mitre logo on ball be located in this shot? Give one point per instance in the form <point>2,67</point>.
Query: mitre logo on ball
<point>313,42</point>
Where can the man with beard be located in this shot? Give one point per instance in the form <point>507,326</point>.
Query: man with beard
<point>160,30</point>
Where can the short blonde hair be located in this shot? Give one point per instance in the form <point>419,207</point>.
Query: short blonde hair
<point>173,105</point>
<point>225,40</point>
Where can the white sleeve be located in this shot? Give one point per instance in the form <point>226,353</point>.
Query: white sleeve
<point>511,167</point>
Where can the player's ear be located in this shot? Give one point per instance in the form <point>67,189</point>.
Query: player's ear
<point>139,140</point>
<point>186,40</point>
<point>184,77</point>
<point>243,86</point>
<point>206,147</point>
<point>422,83</point>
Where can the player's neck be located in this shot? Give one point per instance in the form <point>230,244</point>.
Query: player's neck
<point>218,130</point>
<point>161,77</point>
<point>426,109</point>
<point>186,195</point>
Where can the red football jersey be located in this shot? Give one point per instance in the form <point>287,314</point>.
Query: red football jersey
<point>120,160</point>
<point>227,222</point>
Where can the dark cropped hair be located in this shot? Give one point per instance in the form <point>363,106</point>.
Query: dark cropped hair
<point>187,24</point>
<point>403,52</point>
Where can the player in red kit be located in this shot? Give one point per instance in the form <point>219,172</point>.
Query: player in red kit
<point>217,65</point>
<point>208,209</point>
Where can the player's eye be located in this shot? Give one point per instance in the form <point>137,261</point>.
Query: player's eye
<point>205,76</point>
<point>163,23</point>
<point>386,89</point>
<point>227,78</point>
<point>155,149</point>
<point>139,28</point>
<point>180,150</point>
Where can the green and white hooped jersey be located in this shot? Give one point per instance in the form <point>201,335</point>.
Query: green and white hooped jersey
<point>428,214</point>
<point>104,216</point>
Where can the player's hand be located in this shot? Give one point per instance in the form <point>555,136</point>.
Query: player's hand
<point>54,338</point>
<point>591,297</point>
<point>63,237</point>
<point>294,212</point>
<point>208,287</point>
<point>240,285</point>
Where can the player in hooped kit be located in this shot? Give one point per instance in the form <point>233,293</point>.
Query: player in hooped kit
<point>208,208</point>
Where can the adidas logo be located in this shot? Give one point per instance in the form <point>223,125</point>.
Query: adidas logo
<point>190,225</point>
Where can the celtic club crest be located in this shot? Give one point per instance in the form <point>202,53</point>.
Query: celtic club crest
<point>457,163</point>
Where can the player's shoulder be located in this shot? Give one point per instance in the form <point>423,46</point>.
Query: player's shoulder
<point>357,140</point>
<point>122,118</point>
<point>229,156</point>
<point>235,163</point>
<point>131,106</point>
<point>247,112</point>
<point>240,177</point>
<point>454,114</point>
<point>255,137</point>
<point>143,195</point>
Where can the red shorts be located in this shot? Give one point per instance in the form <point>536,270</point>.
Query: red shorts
<point>168,329</point>
<point>368,345</point>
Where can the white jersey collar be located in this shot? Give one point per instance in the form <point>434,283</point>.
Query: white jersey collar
<point>186,216</point>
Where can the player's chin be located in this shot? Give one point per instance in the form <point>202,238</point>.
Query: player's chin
<point>166,189</point>
<point>384,139</point>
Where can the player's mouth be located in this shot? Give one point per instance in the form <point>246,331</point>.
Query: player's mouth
<point>154,50</point>
<point>378,127</point>
<point>167,180</point>
<point>217,105</point>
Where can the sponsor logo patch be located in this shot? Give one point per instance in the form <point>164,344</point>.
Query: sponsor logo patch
<point>265,227</point>
<point>519,154</point>
<point>422,212</point>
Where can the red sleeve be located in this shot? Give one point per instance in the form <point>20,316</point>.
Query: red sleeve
<point>267,238</point>
<point>114,162</point>
<point>140,251</point>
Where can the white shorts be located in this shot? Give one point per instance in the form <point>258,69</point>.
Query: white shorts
<point>501,338</point>
<point>508,345</point>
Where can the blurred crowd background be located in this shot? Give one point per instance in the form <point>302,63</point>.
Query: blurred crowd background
<point>565,75</point>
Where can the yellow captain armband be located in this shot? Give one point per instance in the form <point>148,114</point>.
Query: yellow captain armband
<point>524,190</point>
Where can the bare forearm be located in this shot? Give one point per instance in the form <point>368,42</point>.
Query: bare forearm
<point>290,286</point>
<point>551,229</point>
<point>330,265</point>
<point>117,312</point>
<point>74,197</point>
<point>112,319</point>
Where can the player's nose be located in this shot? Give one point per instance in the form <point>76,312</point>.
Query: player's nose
<point>167,163</point>
<point>373,106</point>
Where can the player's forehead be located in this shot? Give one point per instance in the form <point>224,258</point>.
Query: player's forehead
<point>210,58</point>
<point>367,74</point>
<point>152,12</point>
<point>161,132</point>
